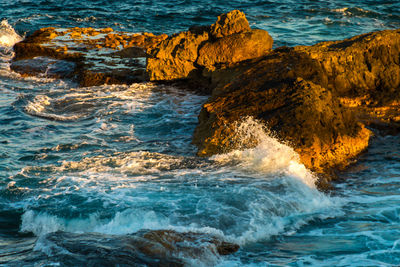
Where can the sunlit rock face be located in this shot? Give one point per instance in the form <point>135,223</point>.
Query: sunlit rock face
<point>197,53</point>
<point>316,98</point>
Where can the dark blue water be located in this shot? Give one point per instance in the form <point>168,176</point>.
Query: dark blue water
<point>114,160</point>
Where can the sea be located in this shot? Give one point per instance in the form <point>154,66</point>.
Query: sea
<point>109,161</point>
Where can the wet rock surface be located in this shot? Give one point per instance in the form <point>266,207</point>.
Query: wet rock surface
<point>317,98</point>
<point>100,56</point>
<point>144,248</point>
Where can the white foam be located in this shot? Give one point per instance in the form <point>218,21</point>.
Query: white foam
<point>8,36</point>
<point>269,157</point>
<point>41,106</point>
<point>80,102</point>
<point>128,221</point>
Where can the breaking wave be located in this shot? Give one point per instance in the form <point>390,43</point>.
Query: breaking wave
<point>8,36</point>
<point>269,157</point>
<point>245,196</point>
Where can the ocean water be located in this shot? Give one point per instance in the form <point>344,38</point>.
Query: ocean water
<point>111,160</point>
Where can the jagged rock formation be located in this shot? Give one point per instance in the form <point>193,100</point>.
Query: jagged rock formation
<point>92,56</point>
<point>197,53</point>
<point>318,98</point>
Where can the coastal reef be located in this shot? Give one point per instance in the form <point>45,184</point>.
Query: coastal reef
<point>89,56</point>
<point>322,100</point>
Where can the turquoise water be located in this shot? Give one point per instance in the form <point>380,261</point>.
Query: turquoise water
<point>114,160</point>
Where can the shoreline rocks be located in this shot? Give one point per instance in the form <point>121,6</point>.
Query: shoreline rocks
<point>309,96</point>
<point>319,99</point>
<point>195,54</point>
<point>100,56</point>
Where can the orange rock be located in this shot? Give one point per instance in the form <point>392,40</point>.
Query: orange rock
<point>106,30</point>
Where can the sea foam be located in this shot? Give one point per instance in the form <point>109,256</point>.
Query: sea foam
<point>269,156</point>
<point>245,196</point>
<point>8,36</point>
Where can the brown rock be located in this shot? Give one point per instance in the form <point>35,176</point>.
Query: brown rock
<point>230,23</point>
<point>235,48</point>
<point>195,54</point>
<point>303,114</point>
<point>367,65</point>
<point>175,57</point>
<point>316,98</point>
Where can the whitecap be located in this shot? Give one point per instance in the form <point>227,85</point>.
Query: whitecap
<point>8,36</point>
<point>270,156</point>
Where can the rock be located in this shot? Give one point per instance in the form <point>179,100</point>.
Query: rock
<point>143,248</point>
<point>303,114</point>
<point>366,66</point>
<point>234,48</point>
<point>48,67</point>
<point>196,53</point>
<point>175,57</point>
<point>99,56</point>
<point>317,98</point>
<point>168,241</point>
<point>230,23</point>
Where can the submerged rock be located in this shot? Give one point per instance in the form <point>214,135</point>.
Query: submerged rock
<point>144,248</point>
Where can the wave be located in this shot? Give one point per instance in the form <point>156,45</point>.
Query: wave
<point>42,106</point>
<point>245,196</point>
<point>82,102</point>
<point>8,36</point>
<point>270,156</point>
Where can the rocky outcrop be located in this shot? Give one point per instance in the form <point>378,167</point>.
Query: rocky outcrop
<point>317,98</point>
<point>93,56</point>
<point>196,53</point>
<point>303,114</point>
<point>230,23</point>
<point>175,57</point>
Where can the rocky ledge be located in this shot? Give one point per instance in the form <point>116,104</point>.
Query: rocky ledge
<point>89,56</point>
<point>201,54</point>
<point>319,99</point>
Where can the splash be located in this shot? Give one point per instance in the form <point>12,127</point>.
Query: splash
<point>269,157</point>
<point>8,36</point>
